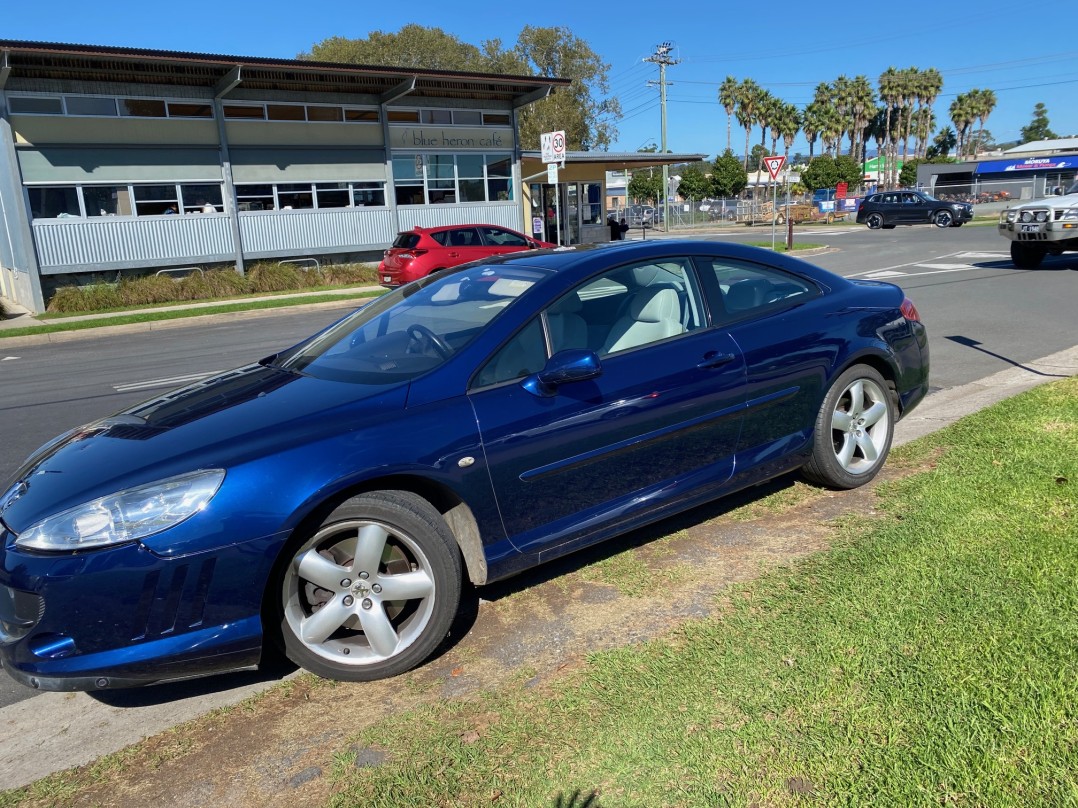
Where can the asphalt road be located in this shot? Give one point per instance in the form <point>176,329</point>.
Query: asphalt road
<point>983,316</point>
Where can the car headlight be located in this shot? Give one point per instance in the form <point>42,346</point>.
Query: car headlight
<point>126,515</point>
<point>1008,216</point>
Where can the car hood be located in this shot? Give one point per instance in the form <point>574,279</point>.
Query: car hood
<point>219,422</point>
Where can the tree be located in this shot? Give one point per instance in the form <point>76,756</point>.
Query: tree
<point>728,98</point>
<point>756,157</point>
<point>581,109</point>
<point>646,184</point>
<point>826,171</point>
<point>1038,128</point>
<point>944,141</point>
<point>728,176</point>
<point>587,118</point>
<point>907,177</point>
<point>984,103</point>
<point>748,98</point>
<point>694,184</point>
<point>413,46</point>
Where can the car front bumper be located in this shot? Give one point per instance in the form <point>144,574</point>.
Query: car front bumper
<point>125,616</point>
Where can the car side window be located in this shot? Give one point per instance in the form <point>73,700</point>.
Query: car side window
<point>522,356</point>
<point>627,308</point>
<point>746,290</point>
<point>496,237</point>
<point>464,237</point>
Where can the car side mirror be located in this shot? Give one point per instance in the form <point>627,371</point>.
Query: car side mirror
<point>563,367</point>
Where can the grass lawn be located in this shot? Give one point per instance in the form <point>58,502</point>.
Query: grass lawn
<point>931,658</point>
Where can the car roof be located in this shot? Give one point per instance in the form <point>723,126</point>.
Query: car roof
<point>573,259</point>
<point>444,227</point>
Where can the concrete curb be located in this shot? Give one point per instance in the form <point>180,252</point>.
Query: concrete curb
<point>55,731</point>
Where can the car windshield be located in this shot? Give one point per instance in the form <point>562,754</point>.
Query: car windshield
<point>413,329</point>
<point>1073,189</point>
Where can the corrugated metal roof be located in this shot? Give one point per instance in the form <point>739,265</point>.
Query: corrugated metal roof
<point>1058,144</point>
<point>51,60</point>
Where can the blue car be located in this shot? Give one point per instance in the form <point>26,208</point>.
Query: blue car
<point>332,498</point>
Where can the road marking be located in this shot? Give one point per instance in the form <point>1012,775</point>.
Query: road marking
<point>982,255</point>
<point>887,273</point>
<point>8,358</point>
<point>172,381</point>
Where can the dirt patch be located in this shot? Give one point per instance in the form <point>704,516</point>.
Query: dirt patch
<point>279,748</point>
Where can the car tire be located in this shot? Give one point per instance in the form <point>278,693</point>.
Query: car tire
<point>1026,256</point>
<point>943,218</point>
<point>853,431</point>
<point>873,220</point>
<point>370,548</point>
<point>889,226</point>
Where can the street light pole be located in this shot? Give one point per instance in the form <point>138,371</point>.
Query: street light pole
<point>662,58</point>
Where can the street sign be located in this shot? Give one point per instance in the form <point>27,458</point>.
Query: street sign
<point>774,164</point>
<point>553,147</point>
<point>841,189</point>
<point>552,173</point>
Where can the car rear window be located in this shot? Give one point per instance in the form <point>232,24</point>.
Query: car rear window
<point>406,241</point>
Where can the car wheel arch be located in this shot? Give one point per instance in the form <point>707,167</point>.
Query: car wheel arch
<point>455,511</point>
<point>878,362</point>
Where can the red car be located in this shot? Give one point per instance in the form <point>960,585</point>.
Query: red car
<point>416,253</point>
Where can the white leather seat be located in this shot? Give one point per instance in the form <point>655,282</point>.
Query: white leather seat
<point>654,313</point>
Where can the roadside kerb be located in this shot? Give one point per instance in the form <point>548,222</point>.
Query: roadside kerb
<point>51,732</point>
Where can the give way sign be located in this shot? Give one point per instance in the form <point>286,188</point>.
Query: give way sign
<point>774,164</point>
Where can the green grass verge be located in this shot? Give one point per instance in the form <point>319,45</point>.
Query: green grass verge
<point>930,659</point>
<point>146,316</point>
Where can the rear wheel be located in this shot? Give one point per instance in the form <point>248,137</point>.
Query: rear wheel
<point>373,591</point>
<point>874,221</point>
<point>1026,256</point>
<point>853,430</point>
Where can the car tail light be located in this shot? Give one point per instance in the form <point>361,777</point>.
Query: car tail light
<point>909,311</point>
<point>411,255</point>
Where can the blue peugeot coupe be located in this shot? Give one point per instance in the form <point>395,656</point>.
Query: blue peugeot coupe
<point>331,498</point>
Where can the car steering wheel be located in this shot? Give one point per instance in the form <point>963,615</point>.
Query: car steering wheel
<point>424,336</point>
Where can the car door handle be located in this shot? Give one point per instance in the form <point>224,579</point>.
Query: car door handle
<point>714,359</point>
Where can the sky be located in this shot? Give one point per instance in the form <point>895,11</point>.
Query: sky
<point>1025,57</point>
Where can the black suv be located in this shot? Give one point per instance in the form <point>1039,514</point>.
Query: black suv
<point>890,208</point>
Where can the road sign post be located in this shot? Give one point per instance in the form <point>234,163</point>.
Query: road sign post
<point>774,165</point>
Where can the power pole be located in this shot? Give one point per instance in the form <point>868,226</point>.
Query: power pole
<point>661,57</point>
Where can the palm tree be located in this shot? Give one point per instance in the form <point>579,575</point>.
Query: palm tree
<point>889,96</point>
<point>984,104</point>
<point>962,116</point>
<point>748,94</point>
<point>910,94</point>
<point>811,121</point>
<point>862,108</point>
<point>789,123</point>
<point>931,87</point>
<point>728,98</point>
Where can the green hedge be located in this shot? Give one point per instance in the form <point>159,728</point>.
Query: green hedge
<point>217,283</point>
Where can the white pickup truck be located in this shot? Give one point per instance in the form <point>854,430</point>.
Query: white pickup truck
<point>1041,227</point>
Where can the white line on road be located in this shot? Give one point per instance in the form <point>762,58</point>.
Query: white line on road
<point>172,381</point>
<point>8,358</point>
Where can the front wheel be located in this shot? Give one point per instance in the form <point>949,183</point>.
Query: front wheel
<point>1026,256</point>
<point>943,218</point>
<point>853,430</point>
<point>874,221</point>
<point>373,591</point>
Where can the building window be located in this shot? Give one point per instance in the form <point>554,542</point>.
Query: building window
<point>308,195</point>
<point>90,105</point>
<point>244,112</point>
<point>142,108</point>
<point>360,115</point>
<point>444,178</point>
<point>27,105</point>
<point>189,110</point>
<point>285,112</point>
<point>160,199</point>
<point>54,203</point>
<point>325,114</point>
<point>449,117</point>
<point>497,119</point>
<point>402,116</point>
<point>255,197</point>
